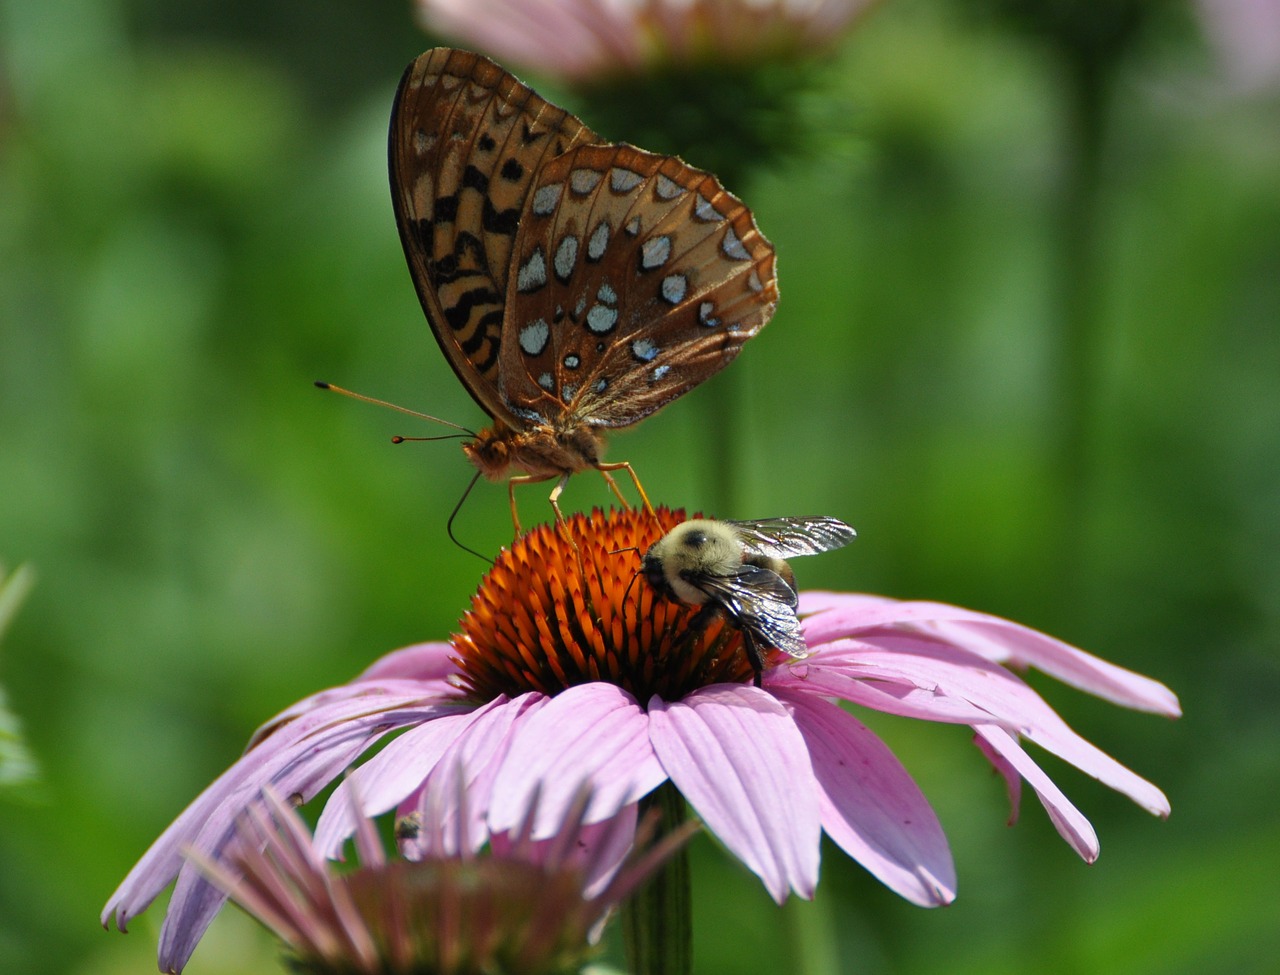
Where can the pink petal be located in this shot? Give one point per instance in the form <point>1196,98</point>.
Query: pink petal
<point>363,697</point>
<point>741,762</point>
<point>1007,700</point>
<point>1021,646</point>
<point>298,760</point>
<point>428,662</point>
<point>333,731</point>
<point>462,781</point>
<point>838,615</point>
<point>872,807</point>
<point>1012,780</point>
<point>593,733</point>
<point>599,848</point>
<point>401,767</point>
<point>1067,819</point>
<point>846,669</point>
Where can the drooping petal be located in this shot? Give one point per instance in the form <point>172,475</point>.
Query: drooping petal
<point>847,669</point>
<point>396,771</point>
<point>599,848</point>
<point>338,730</point>
<point>1012,780</point>
<point>1067,819</point>
<point>424,662</point>
<point>300,759</point>
<point>837,615</point>
<point>1010,702</point>
<point>457,792</point>
<point>1020,646</point>
<point>735,754</point>
<point>592,734</point>
<point>364,695</point>
<point>871,807</point>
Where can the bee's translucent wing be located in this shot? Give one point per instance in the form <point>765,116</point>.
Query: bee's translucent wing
<point>759,600</point>
<point>783,538</point>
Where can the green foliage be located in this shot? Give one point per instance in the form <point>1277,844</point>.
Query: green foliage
<point>196,226</point>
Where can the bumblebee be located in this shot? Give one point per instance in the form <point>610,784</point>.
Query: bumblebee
<point>739,569</point>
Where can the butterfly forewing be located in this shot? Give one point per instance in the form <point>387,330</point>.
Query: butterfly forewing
<point>466,143</point>
<point>635,277</point>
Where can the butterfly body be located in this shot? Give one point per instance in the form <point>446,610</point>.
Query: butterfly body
<point>574,285</point>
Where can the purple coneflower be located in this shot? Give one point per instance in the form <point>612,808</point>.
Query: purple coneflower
<point>591,39</point>
<point>522,908</point>
<point>566,672</point>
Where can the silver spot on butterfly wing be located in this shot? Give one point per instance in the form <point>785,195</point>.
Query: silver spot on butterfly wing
<point>607,294</point>
<point>572,361</point>
<point>659,372</point>
<point>532,274</point>
<point>674,288</point>
<point>566,256</point>
<point>534,337</point>
<point>546,199</point>
<point>601,319</point>
<point>602,385</point>
<point>733,247</point>
<point>598,243</point>
<point>644,350</point>
<point>704,211</point>
<point>654,252</point>
<point>583,181</point>
<point>546,382</point>
<point>580,307</point>
<point>623,180</point>
<point>633,227</point>
<point>704,314</point>
<point>754,282</point>
<point>667,188</point>
<point>568,392</point>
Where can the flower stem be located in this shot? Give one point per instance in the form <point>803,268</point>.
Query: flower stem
<point>657,921</point>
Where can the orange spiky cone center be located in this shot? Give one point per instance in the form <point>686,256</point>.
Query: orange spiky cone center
<point>564,605</point>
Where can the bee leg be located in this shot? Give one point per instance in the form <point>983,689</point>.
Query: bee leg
<point>622,465</point>
<point>696,625</point>
<point>754,655</point>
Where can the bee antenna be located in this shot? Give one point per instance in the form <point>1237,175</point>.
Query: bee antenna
<point>392,406</point>
<point>454,514</point>
<point>619,551</point>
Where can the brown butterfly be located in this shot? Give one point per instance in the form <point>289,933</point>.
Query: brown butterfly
<point>574,285</point>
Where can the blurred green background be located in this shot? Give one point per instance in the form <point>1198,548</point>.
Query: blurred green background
<point>195,224</point>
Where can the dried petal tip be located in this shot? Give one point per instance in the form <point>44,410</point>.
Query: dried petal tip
<point>563,606</point>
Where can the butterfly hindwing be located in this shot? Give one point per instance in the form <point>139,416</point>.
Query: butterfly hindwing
<point>466,143</point>
<point>635,277</point>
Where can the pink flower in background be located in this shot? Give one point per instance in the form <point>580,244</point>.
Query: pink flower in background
<point>528,906</point>
<point>583,39</point>
<point>1246,35</point>
<point>563,674</point>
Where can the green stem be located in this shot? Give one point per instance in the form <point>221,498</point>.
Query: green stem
<point>657,920</point>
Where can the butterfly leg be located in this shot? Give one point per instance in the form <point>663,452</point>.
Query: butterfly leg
<point>555,496</point>
<point>532,479</point>
<point>613,485</point>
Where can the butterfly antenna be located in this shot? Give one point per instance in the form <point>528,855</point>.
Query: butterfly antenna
<point>443,436</point>
<point>392,406</point>
<point>454,514</point>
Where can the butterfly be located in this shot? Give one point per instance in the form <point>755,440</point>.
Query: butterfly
<point>575,285</point>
